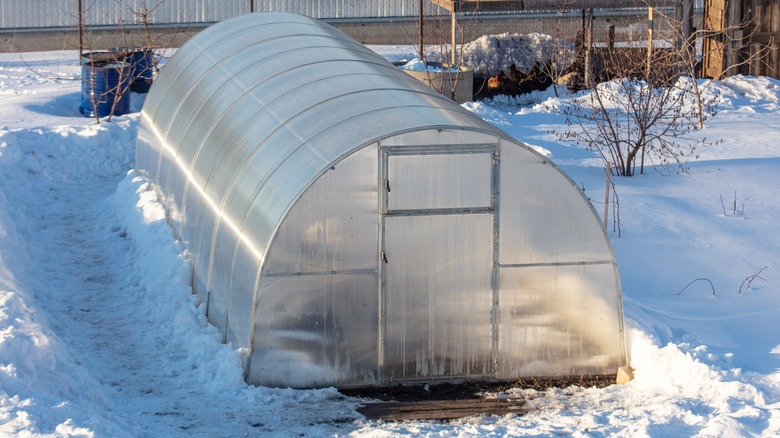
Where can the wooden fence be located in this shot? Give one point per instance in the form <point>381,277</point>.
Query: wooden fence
<point>743,36</point>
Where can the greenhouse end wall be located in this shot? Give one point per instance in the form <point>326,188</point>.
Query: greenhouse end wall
<point>350,227</point>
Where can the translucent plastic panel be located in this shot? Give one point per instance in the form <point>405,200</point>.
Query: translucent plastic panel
<point>251,176</point>
<point>438,296</point>
<point>236,75</point>
<point>333,227</point>
<point>559,321</point>
<point>201,253</point>
<point>241,288</point>
<point>439,181</point>
<point>147,149</point>
<point>239,128</point>
<point>285,183</point>
<point>224,247</point>
<point>316,330</point>
<point>544,216</point>
<point>194,54</point>
<point>193,203</point>
<point>271,136</point>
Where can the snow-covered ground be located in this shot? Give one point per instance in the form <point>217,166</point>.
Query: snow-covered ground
<point>101,336</point>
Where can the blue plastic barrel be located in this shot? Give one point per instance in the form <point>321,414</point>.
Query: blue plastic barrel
<point>105,88</point>
<point>142,62</point>
<point>97,58</point>
<point>141,67</point>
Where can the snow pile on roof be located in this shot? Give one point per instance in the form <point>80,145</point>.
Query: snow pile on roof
<point>417,64</point>
<point>489,54</point>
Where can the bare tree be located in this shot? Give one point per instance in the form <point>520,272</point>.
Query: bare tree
<point>687,62</point>
<point>639,116</point>
<point>444,61</point>
<point>641,110</point>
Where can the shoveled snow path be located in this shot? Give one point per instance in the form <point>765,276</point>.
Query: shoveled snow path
<point>128,324</point>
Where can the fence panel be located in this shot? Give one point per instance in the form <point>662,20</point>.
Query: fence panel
<point>64,13</point>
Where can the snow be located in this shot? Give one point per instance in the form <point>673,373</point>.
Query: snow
<point>488,54</point>
<point>101,336</point>
<point>417,64</point>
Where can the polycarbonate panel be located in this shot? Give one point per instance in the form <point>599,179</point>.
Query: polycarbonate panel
<point>438,296</point>
<point>253,64</point>
<point>195,57</point>
<point>242,284</point>
<point>316,330</point>
<point>544,216</point>
<point>253,85</point>
<point>333,227</point>
<point>459,180</point>
<point>559,321</point>
<point>282,143</point>
<point>223,247</point>
<point>270,203</point>
<point>201,253</point>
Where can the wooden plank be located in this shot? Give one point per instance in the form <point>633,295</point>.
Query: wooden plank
<point>713,46</point>
<point>441,409</point>
<point>765,37</point>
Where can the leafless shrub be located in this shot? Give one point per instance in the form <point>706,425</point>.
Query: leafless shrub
<point>733,206</point>
<point>747,281</point>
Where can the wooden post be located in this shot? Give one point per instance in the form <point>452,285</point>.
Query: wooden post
<point>611,38</point>
<point>679,38</point>
<point>422,39</point>
<point>649,41</point>
<point>588,50</point>
<point>81,30</point>
<point>736,35</point>
<point>454,26</point>
<point>687,19</point>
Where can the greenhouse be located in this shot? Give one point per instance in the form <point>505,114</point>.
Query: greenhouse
<point>350,227</point>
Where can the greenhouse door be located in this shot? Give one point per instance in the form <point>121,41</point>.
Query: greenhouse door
<point>437,262</point>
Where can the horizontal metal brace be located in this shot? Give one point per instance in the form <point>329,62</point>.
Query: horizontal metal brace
<point>553,264</point>
<point>441,211</point>
<point>440,150</point>
<point>315,273</point>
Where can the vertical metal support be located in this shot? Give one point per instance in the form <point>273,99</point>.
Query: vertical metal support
<point>381,280</point>
<point>496,204</point>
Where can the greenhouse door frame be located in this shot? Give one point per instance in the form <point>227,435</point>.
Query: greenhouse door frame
<point>439,232</point>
